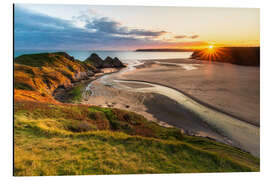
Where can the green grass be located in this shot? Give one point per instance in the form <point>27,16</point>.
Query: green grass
<point>40,59</point>
<point>35,60</point>
<point>75,94</point>
<point>76,139</point>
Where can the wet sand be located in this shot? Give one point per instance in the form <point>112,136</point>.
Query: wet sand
<point>231,88</point>
<point>238,133</point>
<point>154,106</point>
<point>104,95</point>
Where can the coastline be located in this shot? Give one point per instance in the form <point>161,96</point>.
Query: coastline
<point>191,125</point>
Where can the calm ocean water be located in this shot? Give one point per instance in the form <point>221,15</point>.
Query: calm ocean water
<point>122,55</point>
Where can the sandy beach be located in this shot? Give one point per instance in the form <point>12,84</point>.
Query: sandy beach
<point>189,94</point>
<point>231,88</point>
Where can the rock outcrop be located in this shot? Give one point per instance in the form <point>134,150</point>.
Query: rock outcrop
<point>117,62</point>
<point>108,63</point>
<point>96,61</point>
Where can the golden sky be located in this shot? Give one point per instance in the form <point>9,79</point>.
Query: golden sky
<point>173,27</point>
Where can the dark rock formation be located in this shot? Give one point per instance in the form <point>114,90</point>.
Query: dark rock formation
<point>95,60</point>
<point>112,63</point>
<point>108,63</point>
<point>117,63</point>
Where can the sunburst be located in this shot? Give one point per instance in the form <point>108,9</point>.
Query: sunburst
<point>212,53</point>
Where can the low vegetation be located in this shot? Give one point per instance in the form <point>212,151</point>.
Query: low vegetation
<point>73,94</point>
<point>65,139</point>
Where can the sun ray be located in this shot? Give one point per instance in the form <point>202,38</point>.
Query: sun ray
<point>213,53</point>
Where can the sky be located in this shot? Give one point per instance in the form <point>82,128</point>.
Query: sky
<point>88,27</point>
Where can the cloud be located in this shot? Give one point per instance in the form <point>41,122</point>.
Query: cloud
<point>105,25</point>
<point>141,32</point>
<point>38,31</point>
<point>109,26</point>
<point>185,36</point>
<point>35,31</point>
<point>194,36</point>
<point>180,37</point>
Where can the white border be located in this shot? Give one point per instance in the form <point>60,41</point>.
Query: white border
<point>6,85</point>
<point>194,3</point>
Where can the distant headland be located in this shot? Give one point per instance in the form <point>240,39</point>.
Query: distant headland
<point>164,50</point>
<point>246,56</point>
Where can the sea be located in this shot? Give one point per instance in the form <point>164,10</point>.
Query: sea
<point>124,56</point>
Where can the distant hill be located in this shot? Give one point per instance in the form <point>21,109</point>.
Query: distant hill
<point>247,56</point>
<point>165,50</point>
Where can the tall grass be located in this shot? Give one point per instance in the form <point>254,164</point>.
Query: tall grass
<point>53,139</point>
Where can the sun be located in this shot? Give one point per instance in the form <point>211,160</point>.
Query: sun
<point>212,52</point>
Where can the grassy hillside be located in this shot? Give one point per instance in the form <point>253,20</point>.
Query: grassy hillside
<point>54,138</point>
<point>68,139</point>
<point>36,76</point>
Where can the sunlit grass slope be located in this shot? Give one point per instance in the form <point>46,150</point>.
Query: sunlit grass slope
<point>65,139</point>
<point>36,76</point>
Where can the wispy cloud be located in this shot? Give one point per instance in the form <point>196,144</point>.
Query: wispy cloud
<point>107,25</point>
<point>180,37</point>
<point>185,36</point>
<point>194,36</point>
